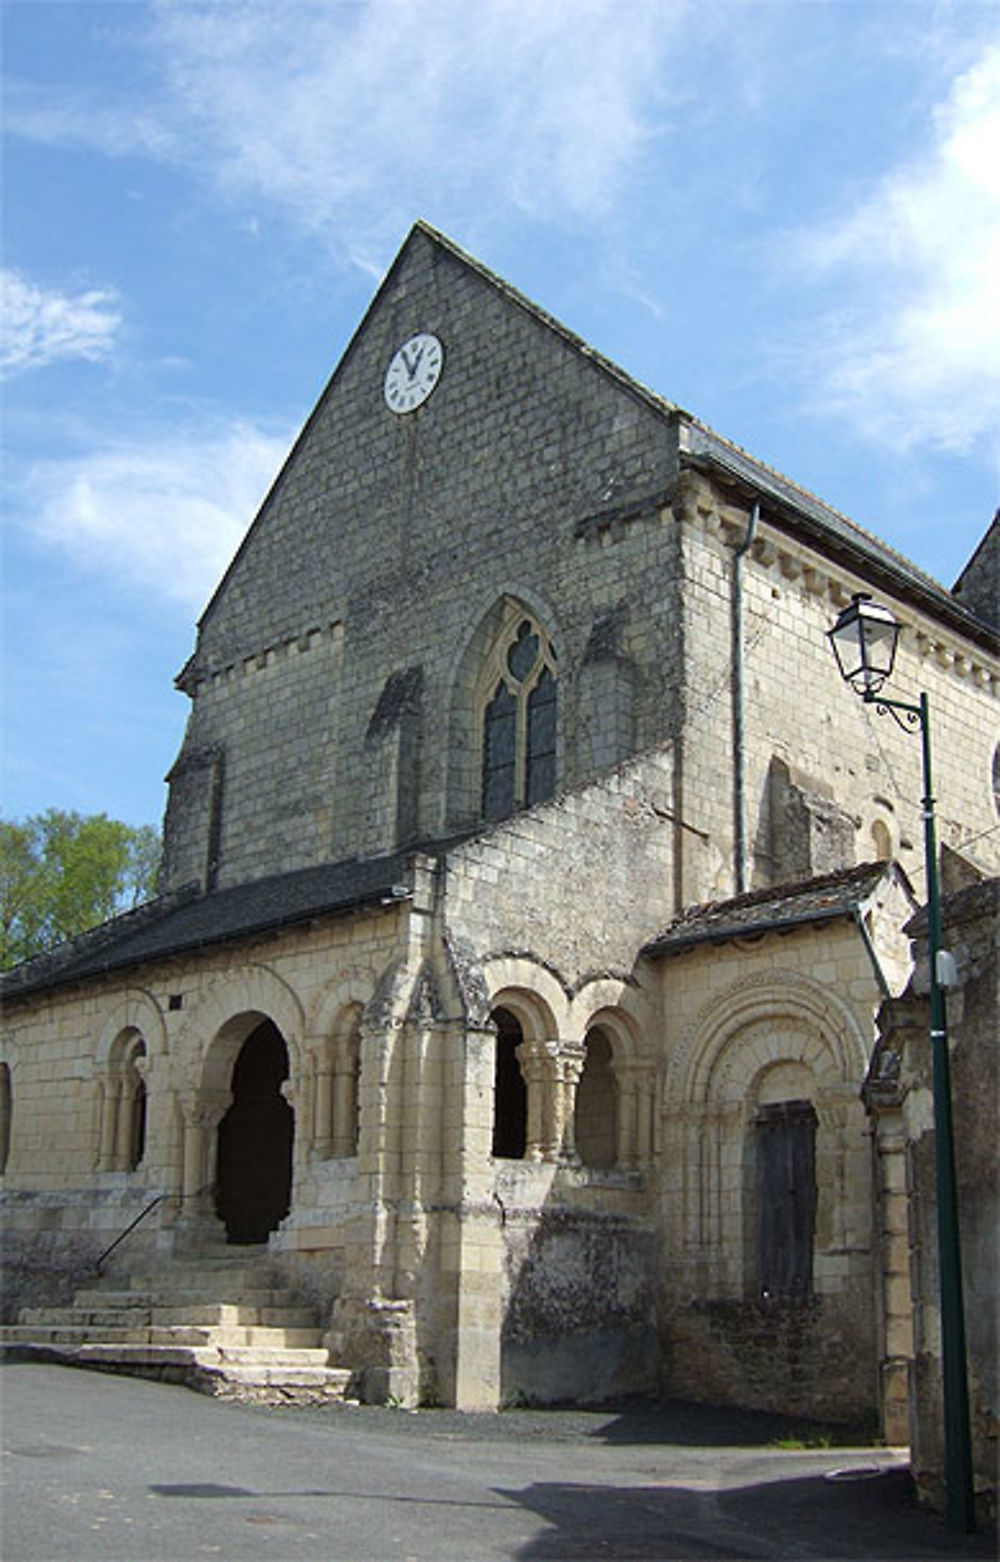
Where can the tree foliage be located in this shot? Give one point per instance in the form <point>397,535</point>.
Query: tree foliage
<point>62,873</point>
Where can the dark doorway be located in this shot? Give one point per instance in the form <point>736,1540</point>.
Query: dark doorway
<point>786,1199</point>
<point>255,1141</point>
<point>510,1110</point>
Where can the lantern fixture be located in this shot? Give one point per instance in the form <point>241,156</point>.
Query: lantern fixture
<point>864,641</point>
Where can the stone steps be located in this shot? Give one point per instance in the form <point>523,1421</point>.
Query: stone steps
<point>216,1317</point>
<point>221,1323</point>
<point>259,1298</point>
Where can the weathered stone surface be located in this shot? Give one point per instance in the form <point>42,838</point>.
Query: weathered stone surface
<point>465,712</point>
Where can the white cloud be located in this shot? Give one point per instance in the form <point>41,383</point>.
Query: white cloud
<point>352,118</point>
<point>349,116</point>
<point>83,118</point>
<point>40,326</point>
<point>162,516</point>
<point>917,356</point>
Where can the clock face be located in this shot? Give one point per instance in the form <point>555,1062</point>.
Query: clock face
<point>413,372</point>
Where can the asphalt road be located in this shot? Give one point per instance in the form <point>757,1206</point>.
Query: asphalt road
<point>96,1466</point>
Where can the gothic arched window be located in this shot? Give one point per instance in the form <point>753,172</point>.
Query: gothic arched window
<point>519,722</point>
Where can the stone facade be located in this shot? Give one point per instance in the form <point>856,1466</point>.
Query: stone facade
<point>532,885</point>
<point>899,1094</point>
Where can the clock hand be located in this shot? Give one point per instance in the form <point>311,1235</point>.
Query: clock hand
<point>411,369</point>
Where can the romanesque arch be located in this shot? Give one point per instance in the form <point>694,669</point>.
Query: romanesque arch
<point>761,1095</point>
<point>253,1191</point>
<point>710,1062</point>
<point>330,1101</point>
<point>130,1049</point>
<point>240,1061</point>
<point>218,1026</point>
<point>538,1061</point>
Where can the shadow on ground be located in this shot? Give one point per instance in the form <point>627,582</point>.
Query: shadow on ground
<point>804,1517</point>
<point>690,1425</point>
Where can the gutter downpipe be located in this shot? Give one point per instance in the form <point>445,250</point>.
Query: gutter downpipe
<point>739,741</point>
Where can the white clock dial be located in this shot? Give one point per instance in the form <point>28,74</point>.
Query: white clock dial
<point>413,373</point>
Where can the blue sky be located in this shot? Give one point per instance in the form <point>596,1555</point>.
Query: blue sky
<point>784,216</point>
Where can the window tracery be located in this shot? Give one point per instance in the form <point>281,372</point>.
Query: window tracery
<point>519,720</point>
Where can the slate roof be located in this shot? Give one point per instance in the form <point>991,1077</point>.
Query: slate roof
<point>762,911</point>
<point>189,920</point>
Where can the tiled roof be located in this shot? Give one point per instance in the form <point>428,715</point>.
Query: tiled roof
<point>190,920</point>
<point>770,910</point>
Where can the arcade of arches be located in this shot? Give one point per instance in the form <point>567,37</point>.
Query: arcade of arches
<point>550,1197</point>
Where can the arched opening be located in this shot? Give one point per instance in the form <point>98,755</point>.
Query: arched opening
<point>337,1089</point>
<point>122,1104</point>
<point>137,1127</point>
<point>6,1114</point>
<point>510,1109</point>
<point>595,1122</point>
<point>254,1186</point>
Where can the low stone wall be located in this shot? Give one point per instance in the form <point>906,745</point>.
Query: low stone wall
<point>814,1358</point>
<point>51,1242</point>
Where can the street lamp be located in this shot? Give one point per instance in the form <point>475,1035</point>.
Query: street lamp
<point>864,640</point>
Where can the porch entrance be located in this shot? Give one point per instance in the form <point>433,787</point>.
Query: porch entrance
<point>254,1186</point>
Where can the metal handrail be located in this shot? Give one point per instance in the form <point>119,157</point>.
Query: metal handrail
<point>161,1198</point>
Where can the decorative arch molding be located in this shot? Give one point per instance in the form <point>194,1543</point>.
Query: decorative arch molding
<point>134,1010</point>
<point>353,987</point>
<point>805,1022</point>
<point>131,1039</point>
<point>217,1028</point>
<point>330,1084</point>
<point>531,992</point>
<point>757,1048</point>
<point>486,619</point>
<point>620,1119</point>
<point>617,1007</point>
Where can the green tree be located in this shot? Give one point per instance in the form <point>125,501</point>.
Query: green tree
<point>62,873</point>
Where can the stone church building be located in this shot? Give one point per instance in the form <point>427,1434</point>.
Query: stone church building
<point>532,888</point>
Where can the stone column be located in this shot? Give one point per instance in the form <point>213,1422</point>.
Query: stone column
<point>534,1064</point>
<point>344,1108</point>
<point>324,1137</point>
<point>471,1240</point>
<point>645,1098</point>
<point>569,1065</point>
<point>202,1116</point>
<point>627,1077</point>
<point>109,1123</point>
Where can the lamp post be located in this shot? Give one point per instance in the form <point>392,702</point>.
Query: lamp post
<point>864,640</point>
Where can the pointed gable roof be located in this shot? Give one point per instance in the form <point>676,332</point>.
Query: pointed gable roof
<point>785,504</point>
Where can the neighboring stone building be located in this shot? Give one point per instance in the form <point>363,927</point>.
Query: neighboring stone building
<point>899,1095</point>
<point>532,887</point>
